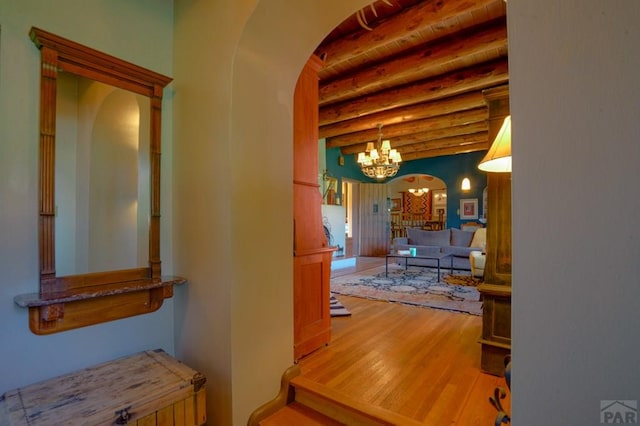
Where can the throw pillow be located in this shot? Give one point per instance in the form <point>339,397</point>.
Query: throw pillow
<point>421,237</point>
<point>460,238</point>
<point>479,238</point>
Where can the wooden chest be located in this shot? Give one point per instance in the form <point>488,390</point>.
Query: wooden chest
<point>147,388</point>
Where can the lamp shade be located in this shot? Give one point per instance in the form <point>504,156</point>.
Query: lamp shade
<point>498,158</point>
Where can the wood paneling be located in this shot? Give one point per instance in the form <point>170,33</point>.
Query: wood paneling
<point>374,230</point>
<point>498,262</point>
<point>312,256</point>
<point>496,289</point>
<point>312,316</point>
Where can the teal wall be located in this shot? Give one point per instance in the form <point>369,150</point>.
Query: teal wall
<point>450,168</point>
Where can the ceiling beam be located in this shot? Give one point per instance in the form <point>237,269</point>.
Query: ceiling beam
<point>446,142</point>
<point>474,78</point>
<point>438,107</point>
<point>424,62</point>
<point>419,73</point>
<point>420,17</point>
<point>412,139</point>
<point>453,150</point>
<point>415,126</point>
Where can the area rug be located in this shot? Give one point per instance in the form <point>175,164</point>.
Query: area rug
<point>415,286</point>
<point>337,308</point>
<point>460,279</point>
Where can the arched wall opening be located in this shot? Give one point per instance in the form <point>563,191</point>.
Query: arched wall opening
<point>233,174</point>
<point>554,115</point>
<point>276,41</point>
<point>417,199</point>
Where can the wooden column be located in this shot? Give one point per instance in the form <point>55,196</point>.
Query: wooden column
<point>312,254</point>
<point>496,288</point>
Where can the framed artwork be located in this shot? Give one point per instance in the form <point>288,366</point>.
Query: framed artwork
<point>469,208</point>
<point>396,204</point>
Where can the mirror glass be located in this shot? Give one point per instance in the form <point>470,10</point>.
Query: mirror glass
<point>102,188</point>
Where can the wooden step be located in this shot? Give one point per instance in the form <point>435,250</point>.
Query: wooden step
<point>298,414</point>
<point>304,402</point>
<point>342,408</point>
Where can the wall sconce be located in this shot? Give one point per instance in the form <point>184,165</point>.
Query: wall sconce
<point>498,158</point>
<point>466,184</point>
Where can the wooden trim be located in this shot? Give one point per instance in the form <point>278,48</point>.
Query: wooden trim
<point>68,310</point>
<point>496,344</point>
<point>285,396</point>
<point>495,289</point>
<point>87,62</point>
<point>315,250</point>
<point>75,301</point>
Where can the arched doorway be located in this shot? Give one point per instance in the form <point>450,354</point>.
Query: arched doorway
<point>417,200</point>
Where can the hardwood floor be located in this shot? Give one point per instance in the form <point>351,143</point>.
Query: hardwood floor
<point>418,362</point>
<point>362,263</point>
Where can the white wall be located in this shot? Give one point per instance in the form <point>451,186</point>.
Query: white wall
<point>140,32</point>
<point>575,106</point>
<point>236,69</point>
<point>334,217</point>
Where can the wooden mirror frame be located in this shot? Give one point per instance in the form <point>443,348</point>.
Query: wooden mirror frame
<point>74,301</point>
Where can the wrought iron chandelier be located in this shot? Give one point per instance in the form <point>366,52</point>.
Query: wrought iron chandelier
<point>380,161</point>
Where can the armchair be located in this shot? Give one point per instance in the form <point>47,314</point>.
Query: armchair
<point>477,260</point>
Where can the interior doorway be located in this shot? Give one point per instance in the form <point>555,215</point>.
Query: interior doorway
<point>349,199</point>
<point>417,200</point>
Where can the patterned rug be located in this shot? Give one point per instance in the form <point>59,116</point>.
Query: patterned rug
<point>416,286</point>
<point>460,279</point>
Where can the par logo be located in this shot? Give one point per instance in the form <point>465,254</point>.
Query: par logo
<point>619,411</point>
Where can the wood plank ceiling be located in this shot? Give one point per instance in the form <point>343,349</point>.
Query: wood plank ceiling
<point>419,71</point>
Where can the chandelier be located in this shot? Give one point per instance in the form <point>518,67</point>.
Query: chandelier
<point>418,192</point>
<point>381,161</point>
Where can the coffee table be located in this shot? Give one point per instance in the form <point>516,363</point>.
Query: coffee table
<point>438,258</point>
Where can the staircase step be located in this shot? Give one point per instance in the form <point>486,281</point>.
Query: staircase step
<point>343,408</point>
<point>298,414</point>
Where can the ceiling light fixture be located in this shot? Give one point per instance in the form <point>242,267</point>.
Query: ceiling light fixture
<point>441,196</point>
<point>498,158</point>
<point>380,161</point>
<point>419,192</point>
